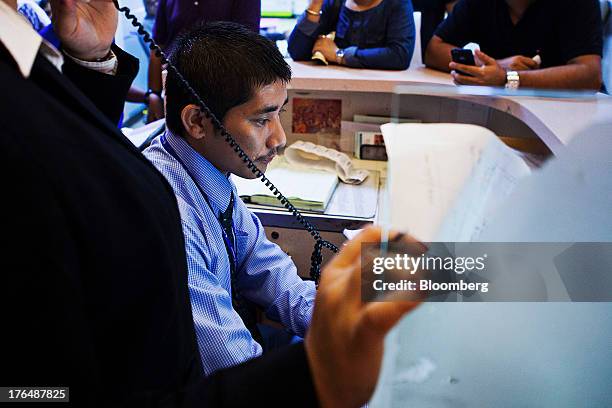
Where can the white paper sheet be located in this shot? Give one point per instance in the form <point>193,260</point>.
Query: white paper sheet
<point>518,354</point>
<point>445,179</point>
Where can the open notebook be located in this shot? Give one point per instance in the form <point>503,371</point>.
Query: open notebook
<point>445,180</point>
<point>306,189</point>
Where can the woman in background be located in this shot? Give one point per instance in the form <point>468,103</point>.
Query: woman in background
<point>375,34</point>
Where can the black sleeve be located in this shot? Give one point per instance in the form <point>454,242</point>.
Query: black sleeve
<point>459,28</point>
<point>107,92</point>
<point>280,378</point>
<point>581,29</point>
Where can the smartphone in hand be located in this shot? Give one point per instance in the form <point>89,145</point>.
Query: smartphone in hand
<point>463,56</point>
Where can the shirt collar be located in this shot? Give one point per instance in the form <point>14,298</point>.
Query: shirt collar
<point>216,185</point>
<point>22,42</point>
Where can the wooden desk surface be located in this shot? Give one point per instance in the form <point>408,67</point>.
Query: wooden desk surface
<point>555,121</point>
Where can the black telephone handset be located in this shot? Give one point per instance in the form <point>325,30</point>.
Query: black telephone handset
<point>317,257</point>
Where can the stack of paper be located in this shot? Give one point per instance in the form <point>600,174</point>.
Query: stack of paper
<point>445,180</point>
<point>306,189</point>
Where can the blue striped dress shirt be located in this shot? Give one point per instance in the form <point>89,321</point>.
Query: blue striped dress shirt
<point>266,275</point>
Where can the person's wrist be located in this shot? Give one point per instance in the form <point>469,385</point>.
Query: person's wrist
<point>313,11</point>
<point>339,56</point>
<point>92,56</point>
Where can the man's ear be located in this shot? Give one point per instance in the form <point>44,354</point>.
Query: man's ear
<point>194,122</point>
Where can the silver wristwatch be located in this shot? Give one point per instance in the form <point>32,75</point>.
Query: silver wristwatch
<point>513,80</point>
<point>339,56</point>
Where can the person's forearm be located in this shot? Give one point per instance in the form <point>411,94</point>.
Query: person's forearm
<point>155,73</point>
<point>438,54</point>
<point>293,308</point>
<point>314,6</point>
<point>393,57</point>
<point>300,45</point>
<point>230,347</point>
<point>572,76</point>
<point>308,29</point>
<point>303,38</point>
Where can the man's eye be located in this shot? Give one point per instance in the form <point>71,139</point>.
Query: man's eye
<point>262,122</point>
<point>283,110</point>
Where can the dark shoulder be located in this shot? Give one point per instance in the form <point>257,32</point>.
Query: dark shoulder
<point>14,84</point>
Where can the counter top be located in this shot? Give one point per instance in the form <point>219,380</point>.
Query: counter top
<point>554,120</point>
<point>315,77</point>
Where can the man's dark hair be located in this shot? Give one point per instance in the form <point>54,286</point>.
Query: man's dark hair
<point>225,63</point>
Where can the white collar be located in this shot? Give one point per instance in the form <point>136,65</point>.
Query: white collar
<point>22,42</point>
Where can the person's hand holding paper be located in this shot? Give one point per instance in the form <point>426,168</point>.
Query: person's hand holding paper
<point>346,365</point>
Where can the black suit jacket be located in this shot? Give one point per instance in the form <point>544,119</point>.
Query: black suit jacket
<point>94,276</point>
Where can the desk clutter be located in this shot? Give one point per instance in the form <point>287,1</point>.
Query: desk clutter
<point>307,174</point>
<point>306,189</point>
<point>369,140</point>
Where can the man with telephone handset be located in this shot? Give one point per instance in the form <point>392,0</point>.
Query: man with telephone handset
<point>94,293</point>
<point>232,265</point>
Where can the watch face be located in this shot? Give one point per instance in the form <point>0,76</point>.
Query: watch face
<point>512,80</point>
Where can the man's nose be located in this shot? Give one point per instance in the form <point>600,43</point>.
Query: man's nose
<point>278,138</point>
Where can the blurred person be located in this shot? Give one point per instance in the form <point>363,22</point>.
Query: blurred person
<point>523,43</point>
<point>373,34</point>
